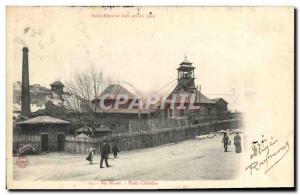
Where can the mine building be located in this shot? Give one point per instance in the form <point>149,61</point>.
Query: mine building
<point>50,132</point>
<point>110,97</point>
<point>57,87</point>
<point>117,119</point>
<point>186,88</point>
<point>102,130</point>
<point>220,106</point>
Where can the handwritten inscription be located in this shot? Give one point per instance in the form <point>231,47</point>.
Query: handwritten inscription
<point>266,153</point>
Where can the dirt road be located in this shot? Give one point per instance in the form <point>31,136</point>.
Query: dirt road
<point>188,160</point>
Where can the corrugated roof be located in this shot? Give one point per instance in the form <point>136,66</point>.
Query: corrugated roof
<point>44,120</point>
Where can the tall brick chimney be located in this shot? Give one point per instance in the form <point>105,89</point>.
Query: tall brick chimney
<point>25,96</point>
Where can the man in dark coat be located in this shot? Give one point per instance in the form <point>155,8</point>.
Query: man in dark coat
<point>225,141</point>
<point>105,150</point>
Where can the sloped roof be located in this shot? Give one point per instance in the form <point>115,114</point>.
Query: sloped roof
<point>185,84</point>
<point>103,128</point>
<point>186,62</point>
<point>114,90</point>
<point>84,129</point>
<point>215,100</point>
<point>57,83</point>
<point>82,135</point>
<point>200,98</point>
<point>44,120</point>
<point>204,99</point>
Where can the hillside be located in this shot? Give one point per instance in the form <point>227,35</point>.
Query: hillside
<point>39,96</point>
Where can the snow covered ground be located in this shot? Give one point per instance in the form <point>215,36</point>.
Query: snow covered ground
<point>189,160</point>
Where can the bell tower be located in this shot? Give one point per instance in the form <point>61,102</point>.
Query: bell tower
<point>186,77</point>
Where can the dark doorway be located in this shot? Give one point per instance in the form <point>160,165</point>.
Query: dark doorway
<point>44,142</point>
<point>60,142</point>
<point>181,112</point>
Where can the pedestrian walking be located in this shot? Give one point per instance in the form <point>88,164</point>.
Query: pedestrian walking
<point>115,151</point>
<point>105,150</point>
<point>91,155</point>
<point>237,143</point>
<point>225,141</point>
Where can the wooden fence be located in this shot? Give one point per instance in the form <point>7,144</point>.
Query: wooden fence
<point>145,139</point>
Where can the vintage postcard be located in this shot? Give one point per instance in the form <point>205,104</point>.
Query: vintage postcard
<point>150,97</point>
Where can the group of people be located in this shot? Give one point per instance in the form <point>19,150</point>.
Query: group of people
<point>237,142</point>
<point>104,151</point>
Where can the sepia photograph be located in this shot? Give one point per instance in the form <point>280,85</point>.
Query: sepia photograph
<point>124,97</point>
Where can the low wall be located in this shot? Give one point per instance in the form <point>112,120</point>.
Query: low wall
<point>146,139</point>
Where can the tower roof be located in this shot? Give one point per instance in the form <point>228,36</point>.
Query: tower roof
<point>186,62</point>
<point>185,65</point>
<point>57,83</point>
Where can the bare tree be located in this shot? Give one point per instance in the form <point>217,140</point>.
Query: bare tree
<point>72,99</point>
<point>83,88</point>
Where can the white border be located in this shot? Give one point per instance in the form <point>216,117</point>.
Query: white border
<point>4,3</point>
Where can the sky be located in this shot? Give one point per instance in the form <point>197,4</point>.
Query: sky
<point>230,47</point>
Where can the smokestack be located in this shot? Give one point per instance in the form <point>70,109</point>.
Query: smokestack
<point>25,98</point>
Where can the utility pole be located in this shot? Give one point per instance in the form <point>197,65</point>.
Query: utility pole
<point>139,120</point>
<point>92,122</point>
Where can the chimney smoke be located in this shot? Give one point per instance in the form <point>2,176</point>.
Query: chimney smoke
<point>25,96</point>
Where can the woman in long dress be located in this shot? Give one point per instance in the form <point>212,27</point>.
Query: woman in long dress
<point>237,143</point>
<point>91,156</point>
